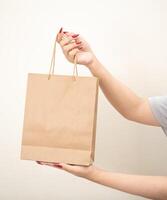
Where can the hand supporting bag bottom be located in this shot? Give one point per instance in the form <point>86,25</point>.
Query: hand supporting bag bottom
<point>60,118</point>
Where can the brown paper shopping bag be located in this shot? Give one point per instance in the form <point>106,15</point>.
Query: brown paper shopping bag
<point>60,117</point>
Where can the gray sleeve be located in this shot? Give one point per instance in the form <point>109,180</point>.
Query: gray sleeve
<point>159,108</point>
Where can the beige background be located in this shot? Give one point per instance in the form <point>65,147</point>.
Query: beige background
<point>129,37</point>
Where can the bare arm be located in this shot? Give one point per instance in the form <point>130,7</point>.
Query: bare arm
<point>152,187</point>
<point>127,103</point>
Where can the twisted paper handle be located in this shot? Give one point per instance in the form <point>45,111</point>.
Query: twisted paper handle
<point>52,64</point>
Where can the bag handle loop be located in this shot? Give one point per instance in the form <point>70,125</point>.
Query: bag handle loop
<point>52,64</point>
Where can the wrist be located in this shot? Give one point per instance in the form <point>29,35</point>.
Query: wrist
<point>95,66</point>
<point>93,62</point>
<point>92,173</point>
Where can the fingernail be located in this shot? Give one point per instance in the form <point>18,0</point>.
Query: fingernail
<point>76,35</point>
<point>38,162</point>
<point>61,30</point>
<point>78,42</point>
<point>58,165</point>
<point>65,32</point>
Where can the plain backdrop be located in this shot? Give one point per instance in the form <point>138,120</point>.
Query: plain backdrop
<point>130,38</point>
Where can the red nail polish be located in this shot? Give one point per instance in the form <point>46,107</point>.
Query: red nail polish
<point>76,35</point>
<point>65,32</point>
<point>38,162</point>
<point>58,165</point>
<point>78,42</point>
<point>61,30</point>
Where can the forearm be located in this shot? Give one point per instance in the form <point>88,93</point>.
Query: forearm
<point>125,101</point>
<point>118,94</point>
<point>153,187</point>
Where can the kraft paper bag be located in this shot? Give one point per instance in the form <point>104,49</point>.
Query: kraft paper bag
<point>60,118</point>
